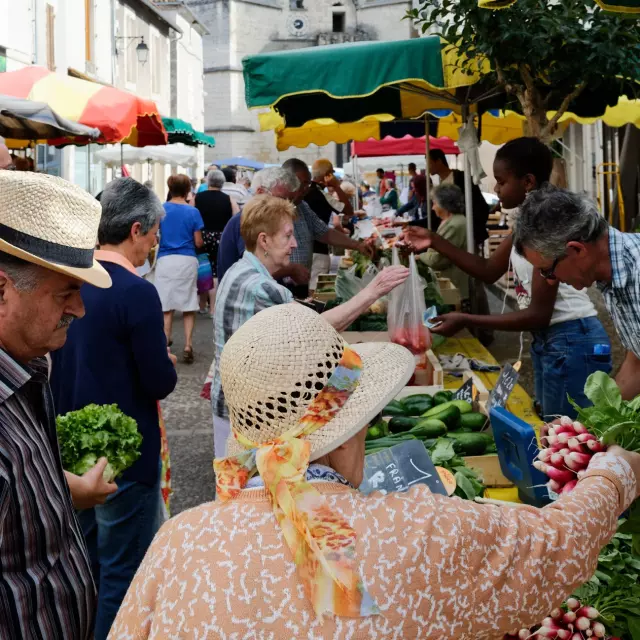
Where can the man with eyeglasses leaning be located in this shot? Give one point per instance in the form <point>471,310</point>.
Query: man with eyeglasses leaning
<point>563,235</point>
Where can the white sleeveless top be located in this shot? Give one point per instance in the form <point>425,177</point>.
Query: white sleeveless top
<point>571,304</point>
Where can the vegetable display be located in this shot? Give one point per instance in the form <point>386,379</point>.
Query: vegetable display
<point>439,422</point>
<point>614,589</point>
<point>572,622</point>
<point>611,598</point>
<point>569,446</point>
<point>97,431</point>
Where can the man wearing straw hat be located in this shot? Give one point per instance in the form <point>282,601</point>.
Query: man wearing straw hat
<point>48,230</point>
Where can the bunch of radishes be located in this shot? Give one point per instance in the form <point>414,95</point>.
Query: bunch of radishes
<point>567,449</point>
<point>576,623</point>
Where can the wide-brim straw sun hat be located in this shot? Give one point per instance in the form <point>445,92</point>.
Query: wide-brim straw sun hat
<point>279,360</point>
<point>50,222</point>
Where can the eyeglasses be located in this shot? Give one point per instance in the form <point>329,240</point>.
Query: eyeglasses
<point>550,273</point>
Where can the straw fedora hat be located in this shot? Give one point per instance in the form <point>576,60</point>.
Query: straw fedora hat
<point>52,223</point>
<point>280,359</point>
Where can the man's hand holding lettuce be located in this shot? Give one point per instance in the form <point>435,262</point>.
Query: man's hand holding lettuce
<point>86,437</point>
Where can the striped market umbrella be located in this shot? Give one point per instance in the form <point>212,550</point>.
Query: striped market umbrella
<point>120,116</point>
<point>181,131</point>
<point>350,82</point>
<point>496,128</point>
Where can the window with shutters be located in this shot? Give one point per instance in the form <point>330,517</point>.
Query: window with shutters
<point>157,59</point>
<point>131,59</point>
<point>88,31</point>
<point>51,40</point>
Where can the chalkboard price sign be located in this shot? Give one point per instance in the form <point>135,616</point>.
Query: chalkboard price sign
<point>504,386</point>
<point>399,468</point>
<point>466,392</point>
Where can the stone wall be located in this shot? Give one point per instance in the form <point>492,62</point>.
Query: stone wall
<point>239,28</point>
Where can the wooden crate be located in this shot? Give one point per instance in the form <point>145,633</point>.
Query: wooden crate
<point>325,280</point>
<point>324,297</point>
<point>412,391</point>
<point>483,393</point>
<point>450,293</point>
<point>488,466</point>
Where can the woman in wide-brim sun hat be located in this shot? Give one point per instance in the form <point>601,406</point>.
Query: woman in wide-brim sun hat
<point>291,549</point>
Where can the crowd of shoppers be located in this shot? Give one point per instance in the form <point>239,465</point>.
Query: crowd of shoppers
<point>82,557</point>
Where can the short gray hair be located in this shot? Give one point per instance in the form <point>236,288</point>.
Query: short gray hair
<point>449,197</point>
<point>215,179</point>
<point>551,217</point>
<point>24,275</point>
<point>124,202</point>
<point>271,177</point>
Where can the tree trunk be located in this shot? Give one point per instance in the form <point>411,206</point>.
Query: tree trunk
<point>534,111</point>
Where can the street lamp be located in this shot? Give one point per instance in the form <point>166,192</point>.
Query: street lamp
<point>142,49</point>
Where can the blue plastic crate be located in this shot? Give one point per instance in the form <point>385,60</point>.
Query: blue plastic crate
<point>517,449</point>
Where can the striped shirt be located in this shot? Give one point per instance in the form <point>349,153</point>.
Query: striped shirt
<point>307,227</point>
<point>622,294</point>
<point>246,289</point>
<point>46,588</point>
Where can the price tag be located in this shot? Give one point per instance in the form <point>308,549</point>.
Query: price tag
<point>504,386</point>
<point>466,392</point>
<point>399,468</point>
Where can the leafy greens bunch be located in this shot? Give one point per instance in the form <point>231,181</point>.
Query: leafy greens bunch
<point>468,484</point>
<point>614,589</point>
<point>94,432</point>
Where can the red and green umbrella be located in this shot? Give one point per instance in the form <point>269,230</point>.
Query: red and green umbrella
<point>120,116</point>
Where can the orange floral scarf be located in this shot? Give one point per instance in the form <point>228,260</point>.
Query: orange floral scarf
<point>322,543</point>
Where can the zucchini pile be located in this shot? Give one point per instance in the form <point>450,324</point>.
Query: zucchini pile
<point>427,418</point>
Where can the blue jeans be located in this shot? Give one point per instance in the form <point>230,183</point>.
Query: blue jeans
<point>563,358</point>
<point>118,534</point>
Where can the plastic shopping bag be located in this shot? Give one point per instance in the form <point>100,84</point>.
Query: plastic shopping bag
<point>406,309</point>
<point>348,284</point>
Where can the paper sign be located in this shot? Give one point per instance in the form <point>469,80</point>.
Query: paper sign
<point>504,386</point>
<point>399,468</point>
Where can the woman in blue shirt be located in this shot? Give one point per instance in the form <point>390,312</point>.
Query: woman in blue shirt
<point>177,266</point>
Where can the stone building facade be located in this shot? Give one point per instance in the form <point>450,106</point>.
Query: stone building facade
<point>238,28</point>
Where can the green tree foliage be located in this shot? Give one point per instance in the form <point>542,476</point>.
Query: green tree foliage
<point>546,55</point>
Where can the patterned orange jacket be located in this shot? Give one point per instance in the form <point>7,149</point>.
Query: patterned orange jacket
<point>440,568</point>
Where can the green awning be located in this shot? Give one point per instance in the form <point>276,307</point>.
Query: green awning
<point>181,131</point>
<point>387,81</point>
<point>348,82</point>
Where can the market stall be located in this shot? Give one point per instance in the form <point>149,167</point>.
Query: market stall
<point>178,154</point>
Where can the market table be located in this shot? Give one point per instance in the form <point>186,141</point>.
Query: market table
<point>519,403</point>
